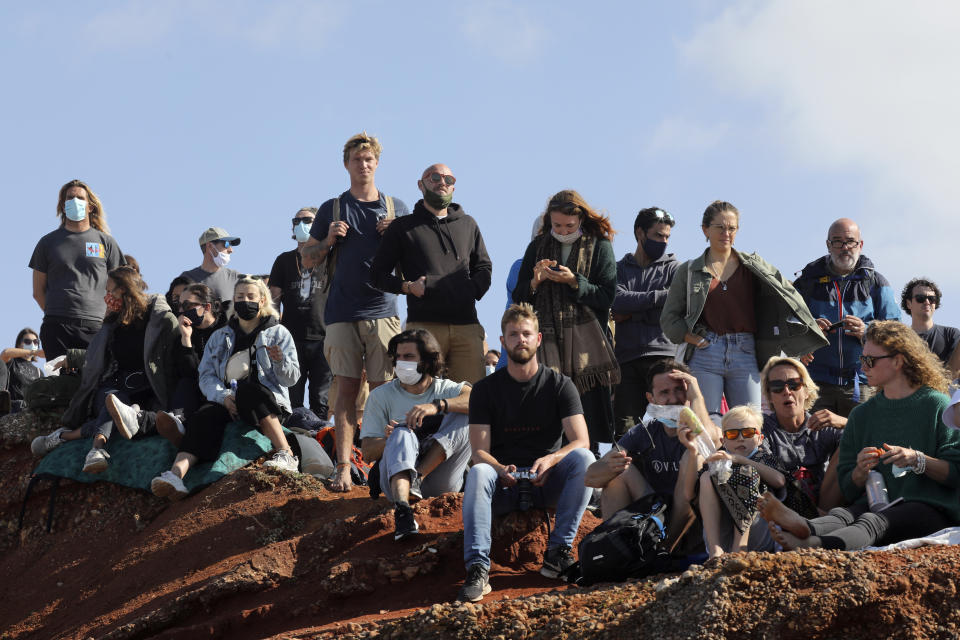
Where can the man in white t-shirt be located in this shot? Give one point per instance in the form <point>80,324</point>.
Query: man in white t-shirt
<point>416,425</point>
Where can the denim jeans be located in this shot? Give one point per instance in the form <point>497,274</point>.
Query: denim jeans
<point>483,499</point>
<point>728,366</point>
<point>313,368</point>
<point>402,452</point>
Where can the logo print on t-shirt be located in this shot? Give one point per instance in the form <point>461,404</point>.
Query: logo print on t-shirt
<point>96,250</point>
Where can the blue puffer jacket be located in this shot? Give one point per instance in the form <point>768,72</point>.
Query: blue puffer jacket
<point>864,293</point>
<point>275,376</point>
<point>641,293</point>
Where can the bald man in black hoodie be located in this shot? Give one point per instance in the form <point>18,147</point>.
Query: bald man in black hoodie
<point>445,270</point>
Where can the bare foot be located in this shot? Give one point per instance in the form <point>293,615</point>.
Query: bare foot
<point>774,511</point>
<point>342,481</point>
<point>789,541</point>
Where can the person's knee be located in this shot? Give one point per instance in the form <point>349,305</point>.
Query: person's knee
<point>481,474</point>
<point>578,460</point>
<point>348,388</point>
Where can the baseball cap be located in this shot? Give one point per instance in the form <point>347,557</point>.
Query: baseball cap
<point>950,417</point>
<point>217,234</point>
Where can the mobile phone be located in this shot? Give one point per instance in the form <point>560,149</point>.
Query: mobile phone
<point>556,268</point>
<point>835,325</point>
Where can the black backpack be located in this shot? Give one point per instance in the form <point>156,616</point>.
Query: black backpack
<point>628,545</point>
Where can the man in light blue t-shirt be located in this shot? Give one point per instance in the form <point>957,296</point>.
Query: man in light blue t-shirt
<point>417,427</point>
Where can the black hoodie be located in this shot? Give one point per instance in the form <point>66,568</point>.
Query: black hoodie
<point>449,251</point>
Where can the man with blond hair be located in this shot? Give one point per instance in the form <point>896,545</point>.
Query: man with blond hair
<point>360,319</point>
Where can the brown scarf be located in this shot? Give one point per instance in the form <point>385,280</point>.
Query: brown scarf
<point>573,342</point>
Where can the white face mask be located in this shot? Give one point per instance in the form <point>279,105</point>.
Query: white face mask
<point>490,368</point>
<point>666,413</point>
<point>302,231</point>
<point>570,238</point>
<point>75,209</point>
<point>407,372</point>
<point>222,259</point>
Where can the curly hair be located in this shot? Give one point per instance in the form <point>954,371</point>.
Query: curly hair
<point>920,365</point>
<point>98,219</point>
<point>907,293</point>
<point>813,391</point>
<point>133,296</point>
<point>431,358</point>
<point>571,203</point>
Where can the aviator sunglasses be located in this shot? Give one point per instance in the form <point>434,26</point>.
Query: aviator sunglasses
<point>437,178</point>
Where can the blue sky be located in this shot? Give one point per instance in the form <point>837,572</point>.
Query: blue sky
<point>187,114</point>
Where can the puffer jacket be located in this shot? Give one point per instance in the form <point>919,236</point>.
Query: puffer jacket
<point>784,323</point>
<point>275,376</point>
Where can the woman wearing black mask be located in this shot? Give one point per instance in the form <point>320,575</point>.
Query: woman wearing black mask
<point>246,368</point>
<point>20,366</point>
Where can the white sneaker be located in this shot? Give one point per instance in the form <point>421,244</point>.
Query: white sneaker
<point>168,485</point>
<point>170,427</point>
<point>42,445</point>
<point>124,417</point>
<point>96,461</point>
<point>283,461</point>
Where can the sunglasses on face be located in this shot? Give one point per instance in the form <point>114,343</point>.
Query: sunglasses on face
<point>437,178</point>
<point>778,386</point>
<point>29,341</point>
<point>870,361</point>
<point>186,306</point>
<point>922,298</point>
<point>304,220</point>
<point>733,434</point>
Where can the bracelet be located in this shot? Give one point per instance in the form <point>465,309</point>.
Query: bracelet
<point>921,467</point>
<point>342,464</point>
<point>446,406</point>
<point>702,342</point>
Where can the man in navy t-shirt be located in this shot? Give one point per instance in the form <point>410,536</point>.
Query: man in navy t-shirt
<point>360,319</point>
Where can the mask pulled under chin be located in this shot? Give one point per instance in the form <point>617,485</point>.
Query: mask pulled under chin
<point>666,413</point>
<point>570,238</point>
<point>247,310</point>
<point>436,200</point>
<point>407,372</point>
<point>222,259</point>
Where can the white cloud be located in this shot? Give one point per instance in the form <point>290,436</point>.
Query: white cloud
<point>677,134</point>
<point>506,30</point>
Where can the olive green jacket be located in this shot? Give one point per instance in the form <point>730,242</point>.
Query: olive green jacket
<point>784,323</point>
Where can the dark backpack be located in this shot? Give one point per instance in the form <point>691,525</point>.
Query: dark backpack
<point>52,392</point>
<point>628,545</point>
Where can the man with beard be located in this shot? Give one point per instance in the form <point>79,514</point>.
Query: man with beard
<point>518,417</point>
<point>445,270</point>
<point>845,293</point>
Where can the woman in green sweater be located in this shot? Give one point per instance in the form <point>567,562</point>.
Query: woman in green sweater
<point>569,275</point>
<point>900,426</point>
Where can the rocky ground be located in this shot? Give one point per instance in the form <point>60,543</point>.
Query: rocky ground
<point>263,554</point>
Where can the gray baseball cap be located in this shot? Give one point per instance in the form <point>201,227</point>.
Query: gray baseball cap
<point>218,234</point>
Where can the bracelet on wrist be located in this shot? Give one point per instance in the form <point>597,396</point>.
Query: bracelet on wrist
<point>921,467</point>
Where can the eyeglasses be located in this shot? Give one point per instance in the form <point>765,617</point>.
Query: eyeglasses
<point>722,228</point>
<point>843,244</point>
<point>29,341</point>
<point>225,243</point>
<point>437,178</point>
<point>921,299</point>
<point>778,386</point>
<point>304,220</point>
<point>733,434</point>
<point>870,361</point>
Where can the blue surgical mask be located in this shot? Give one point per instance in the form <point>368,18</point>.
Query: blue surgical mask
<point>302,232</point>
<point>75,209</point>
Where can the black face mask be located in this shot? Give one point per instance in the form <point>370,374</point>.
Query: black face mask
<point>247,310</point>
<point>654,248</point>
<point>195,316</point>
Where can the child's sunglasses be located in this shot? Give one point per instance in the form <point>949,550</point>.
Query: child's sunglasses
<point>732,434</point>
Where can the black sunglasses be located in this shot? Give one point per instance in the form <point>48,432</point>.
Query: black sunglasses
<point>778,386</point>
<point>870,361</point>
<point>29,341</point>
<point>437,178</point>
<point>304,220</point>
<point>922,298</point>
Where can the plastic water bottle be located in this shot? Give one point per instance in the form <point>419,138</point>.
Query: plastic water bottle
<point>719,469</point>
<point>877,497</point>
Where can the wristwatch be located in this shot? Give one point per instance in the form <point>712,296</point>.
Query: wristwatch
<point>438,405</point>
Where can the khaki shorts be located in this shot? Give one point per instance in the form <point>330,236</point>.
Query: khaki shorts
<point>351,347</point>
<point>462,348</point>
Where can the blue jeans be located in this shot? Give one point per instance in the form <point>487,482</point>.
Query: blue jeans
<point>483,499</point>
<point>728,366</point>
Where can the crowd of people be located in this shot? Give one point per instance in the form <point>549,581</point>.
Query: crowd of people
<point>808,392</point>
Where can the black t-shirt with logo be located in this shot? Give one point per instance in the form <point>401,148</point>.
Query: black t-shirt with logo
<point>298,288</point>
<point>655,453</point>
<point>524,417</point>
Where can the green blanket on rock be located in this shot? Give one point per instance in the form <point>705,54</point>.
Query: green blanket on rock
<point>134,463</point>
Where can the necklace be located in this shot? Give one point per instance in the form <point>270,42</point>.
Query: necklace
<point>723,283</point>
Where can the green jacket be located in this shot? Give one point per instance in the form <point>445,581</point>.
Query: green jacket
<point>784,323</point>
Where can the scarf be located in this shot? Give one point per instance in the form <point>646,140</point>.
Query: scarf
<point>573,341</point>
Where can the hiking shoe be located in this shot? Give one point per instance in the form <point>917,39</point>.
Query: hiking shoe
<point>556,561</point>
<point>476,585</point>
<point>283,460</point>
<point>416,493</point>
<point>96,461</point>
<point>404,523</point>
<point>124,416</point>
<point>168,485</point>
<point>594,505</point>
<point>170,426</point>
<point>42,445</point>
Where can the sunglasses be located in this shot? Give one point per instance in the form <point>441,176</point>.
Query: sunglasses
<point>437,178</point>
<point>870,361</point>
<point>663,216</point>
<point>304,220</point>
<point>921,299</point>
<point>29,341</point>
<point>843,244</point>
<point>733,434</point>
<point>778,386</point>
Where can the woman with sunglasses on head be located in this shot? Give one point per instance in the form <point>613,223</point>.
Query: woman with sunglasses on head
<point>733,311</point>
<point>804,444</point>
<point>569,275</point>
<point>127,372</point>
<point>900,433</point>
<point>20,366</point>
<point>246,368</point>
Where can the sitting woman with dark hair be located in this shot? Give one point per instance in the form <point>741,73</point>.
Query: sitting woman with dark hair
<point>20,367</point>
<point>902,428</point>
<point>246,368</point>
<point>175,290</point>
<point>127,362</point>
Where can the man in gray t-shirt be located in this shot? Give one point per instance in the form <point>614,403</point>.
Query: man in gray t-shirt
<point>70,267</point>
<point>217,246</point>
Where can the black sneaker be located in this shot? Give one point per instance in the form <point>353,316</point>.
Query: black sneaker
<point>476,585</point>
<point>556,561</point>
<point>416,494</point>
<point>403,520</point>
